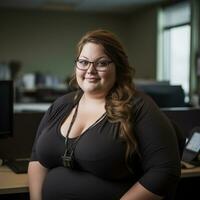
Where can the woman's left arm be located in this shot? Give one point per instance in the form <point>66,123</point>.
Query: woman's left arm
<point>159,154</point>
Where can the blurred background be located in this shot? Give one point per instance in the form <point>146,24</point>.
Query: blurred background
<point>38,39</point>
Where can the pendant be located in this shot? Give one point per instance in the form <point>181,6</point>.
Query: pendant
<point>68,161</point>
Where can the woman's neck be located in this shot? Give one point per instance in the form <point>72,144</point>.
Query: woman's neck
<point>93,99</point>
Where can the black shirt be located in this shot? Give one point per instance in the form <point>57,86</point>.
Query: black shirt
<point>100,170</point>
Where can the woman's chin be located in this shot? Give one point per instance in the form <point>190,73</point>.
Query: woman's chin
<point>92,89</point>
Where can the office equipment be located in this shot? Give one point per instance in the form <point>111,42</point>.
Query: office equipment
<point>24,132</point>
<point>18,147</point>
<point>6,121</point>
<point>19,166</point>
<point>164,95</point>
<point>6,108</point>
<point>192,148</point>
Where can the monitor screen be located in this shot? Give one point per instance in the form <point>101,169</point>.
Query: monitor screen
<point>6,108</point>
<point>194,142</point>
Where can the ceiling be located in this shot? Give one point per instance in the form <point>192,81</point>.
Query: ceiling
<point>79,5</point>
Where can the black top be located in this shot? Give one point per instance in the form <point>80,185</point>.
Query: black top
<point>101,172</point>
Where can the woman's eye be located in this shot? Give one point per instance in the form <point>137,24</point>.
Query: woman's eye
<point>102,63</point>
<point>83,62</point>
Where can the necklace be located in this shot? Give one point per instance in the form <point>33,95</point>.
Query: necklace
<point>68,157</point>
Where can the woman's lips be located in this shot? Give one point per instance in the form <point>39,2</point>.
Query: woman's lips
<point>91,79</point>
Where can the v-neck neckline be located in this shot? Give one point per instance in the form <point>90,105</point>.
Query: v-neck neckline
<point>67,113</point>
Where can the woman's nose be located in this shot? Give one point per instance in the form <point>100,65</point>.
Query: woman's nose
<point>91,69</point>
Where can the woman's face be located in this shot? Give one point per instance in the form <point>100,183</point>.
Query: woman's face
<point>92,81</point>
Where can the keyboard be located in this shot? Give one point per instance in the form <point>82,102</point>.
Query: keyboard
<point>19,166</point>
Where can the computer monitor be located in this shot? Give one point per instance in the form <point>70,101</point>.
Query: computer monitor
<point>6,108</point>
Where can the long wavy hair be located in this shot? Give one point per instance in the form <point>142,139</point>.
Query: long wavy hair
<point>119,99</point>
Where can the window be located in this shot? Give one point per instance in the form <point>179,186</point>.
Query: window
<point>174,45</point>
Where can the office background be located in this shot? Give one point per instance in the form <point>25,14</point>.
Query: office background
<point>46,40</point>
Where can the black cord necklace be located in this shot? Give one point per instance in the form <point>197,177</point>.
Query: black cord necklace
<point>68,157</point>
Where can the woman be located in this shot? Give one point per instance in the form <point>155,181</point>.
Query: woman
<point>105,141</point>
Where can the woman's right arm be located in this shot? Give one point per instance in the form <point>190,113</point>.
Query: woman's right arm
<point>36,171</point>
<point>36,176</point>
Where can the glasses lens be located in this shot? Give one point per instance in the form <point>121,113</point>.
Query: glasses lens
<point>82,64</point>
<point>102,65</point>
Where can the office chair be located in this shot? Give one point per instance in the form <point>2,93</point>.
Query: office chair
<point>165,96</point>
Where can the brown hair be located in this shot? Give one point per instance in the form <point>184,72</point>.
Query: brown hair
<point>119,99</point>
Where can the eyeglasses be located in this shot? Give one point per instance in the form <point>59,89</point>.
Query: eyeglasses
<point>100,65</point>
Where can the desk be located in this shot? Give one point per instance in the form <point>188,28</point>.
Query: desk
<point>11,182</point>
<point>193,172</point>
<point>18,183</point>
